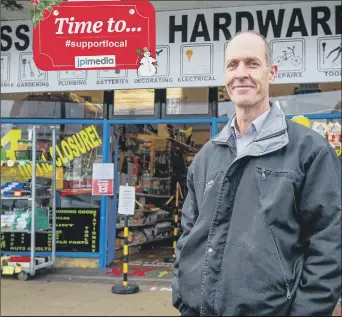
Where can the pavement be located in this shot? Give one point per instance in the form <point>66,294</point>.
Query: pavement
<point>64,298</point>
<point>80,297</point>
<point>110,274</point>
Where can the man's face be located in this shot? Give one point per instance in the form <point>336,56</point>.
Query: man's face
<point>247,76</point>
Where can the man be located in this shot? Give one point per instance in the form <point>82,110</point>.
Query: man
<point>262,218</point>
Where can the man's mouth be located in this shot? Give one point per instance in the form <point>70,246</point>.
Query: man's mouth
<point>243,87</point>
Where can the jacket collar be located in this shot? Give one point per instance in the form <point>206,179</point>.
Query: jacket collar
<point>255,125</point>
<point>271,136</point>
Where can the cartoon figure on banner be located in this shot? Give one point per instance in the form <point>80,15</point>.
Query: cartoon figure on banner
<point>146,67</point>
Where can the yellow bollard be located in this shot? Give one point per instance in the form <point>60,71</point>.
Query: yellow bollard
<point>125,288</point>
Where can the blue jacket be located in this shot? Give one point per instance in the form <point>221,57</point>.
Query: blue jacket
<point>261,231</point>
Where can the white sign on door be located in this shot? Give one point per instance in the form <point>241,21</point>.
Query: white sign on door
<point>103,171</point>
<point>126,200</point>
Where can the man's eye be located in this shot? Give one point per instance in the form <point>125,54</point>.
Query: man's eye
<point>253,64</point>
<point>231,65</point>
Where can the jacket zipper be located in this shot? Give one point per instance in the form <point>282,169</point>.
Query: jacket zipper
<point>239,158</point>
<point>288,291</point>
<point>270,136</point>
<point>263,175</point>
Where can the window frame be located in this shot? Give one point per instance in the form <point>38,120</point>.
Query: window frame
<point>156,115</point>
<point>212,107</point>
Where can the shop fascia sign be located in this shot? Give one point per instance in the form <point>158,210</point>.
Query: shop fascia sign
<point>93,35</point>
<point>281,22</point>
<point>72,147</point>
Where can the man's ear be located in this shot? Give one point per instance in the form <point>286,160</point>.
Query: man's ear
<point>272,73</point>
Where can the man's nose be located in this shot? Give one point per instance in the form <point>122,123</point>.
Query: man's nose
<point>241,72</point>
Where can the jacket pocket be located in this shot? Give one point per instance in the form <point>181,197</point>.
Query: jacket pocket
<point>279,173</point>
<point>286,280</point>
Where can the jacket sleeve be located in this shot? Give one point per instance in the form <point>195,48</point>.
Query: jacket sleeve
<point>189,216</point>
<point>320,216</point>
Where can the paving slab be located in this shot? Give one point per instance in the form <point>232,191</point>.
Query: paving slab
<point>60,298</point>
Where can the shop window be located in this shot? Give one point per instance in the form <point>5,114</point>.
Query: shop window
<point>64,105</point>
<point>77,211</point>
<point>187,101</point>
<point>308,98</point>
<point>294,99</point>
<point>78,147</point>
<point>154,159</point>
<point>134,102</point>
<point>225,106</point>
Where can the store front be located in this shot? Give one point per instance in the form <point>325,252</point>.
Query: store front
<point>151,128</point>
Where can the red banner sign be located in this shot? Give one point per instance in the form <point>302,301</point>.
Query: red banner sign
<point>102,187</point>
<point>78,35</point>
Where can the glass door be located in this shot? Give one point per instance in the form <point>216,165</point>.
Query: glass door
<point>154,158</point>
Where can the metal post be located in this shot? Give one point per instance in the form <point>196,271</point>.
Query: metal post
<point>53,242</point>
<point>33,203</point>
<point>104,200</point>
<point>125,288</point>
<point>113,207</point>
<point>125,253</point>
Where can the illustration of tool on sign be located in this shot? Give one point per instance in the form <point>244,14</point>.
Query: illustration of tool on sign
<point>289,56</point>
<point>24,67</point>
<point>323,49</point>
<point>40,73</point>
<point>339,50</point>
<point>117,71</point>
<point>2,69</point>
<point>31,71</point>
<point>78,73</point>
<point>189,54</point>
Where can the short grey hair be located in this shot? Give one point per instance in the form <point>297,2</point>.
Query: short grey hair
<point>268,50</point>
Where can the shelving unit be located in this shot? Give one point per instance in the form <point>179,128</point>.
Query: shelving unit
<point>29,216</point>
<point>153,163</point>
<point>150,226</point>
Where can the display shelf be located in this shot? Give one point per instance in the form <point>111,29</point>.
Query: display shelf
<point>33,217</point>
<point>183,145</point>
<point>26,162</point>
<point>145,242</point>
<point>146,210</point>
<point>25,231</point>
<point>78,191</point>
<point>24,197</point>
<point>150,195</point>
<point>119,226</point>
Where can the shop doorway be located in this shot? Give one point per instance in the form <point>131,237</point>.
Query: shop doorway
<point>155,159</point>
